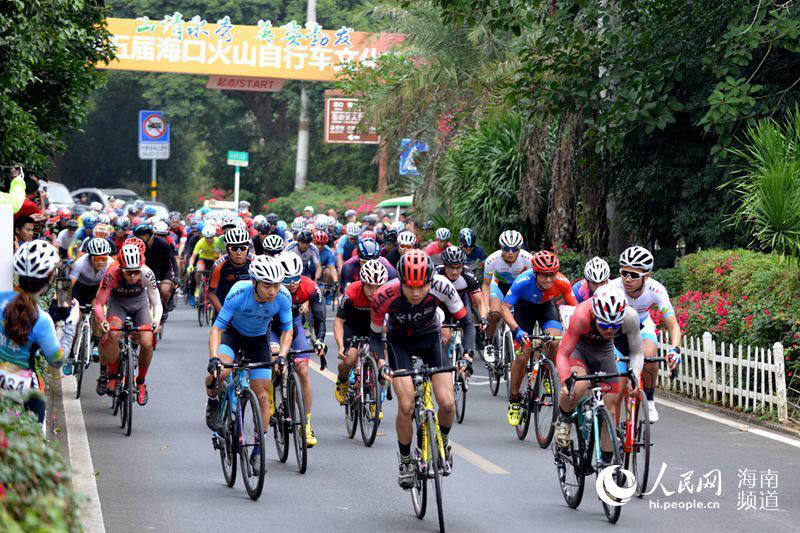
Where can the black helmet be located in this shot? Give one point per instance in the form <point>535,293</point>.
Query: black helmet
<point>305,236</point>
<point>453,255</point>
<point>272,218</point>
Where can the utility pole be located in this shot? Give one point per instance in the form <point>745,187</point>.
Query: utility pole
<point>301,168</point>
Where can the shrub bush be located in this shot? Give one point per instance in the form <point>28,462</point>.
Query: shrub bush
<point>323,196</point>
<point>35,484</point>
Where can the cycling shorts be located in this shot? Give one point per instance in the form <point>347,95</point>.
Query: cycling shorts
<point>353,330</point>
<point>595,358</point>
<point>84,293</point>
<point>137,308</point>
<point>209,263</point>
<point>546,315</point>
<point>299,339</point>
<point>427,347</point>
<point>255,349</point>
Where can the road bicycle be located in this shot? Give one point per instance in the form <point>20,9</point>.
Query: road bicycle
<point>364,397</point>
<point>290,412</point>
<point>330,294</point>
<point>429,455</point>
<point>205,311</point>
<point>122,401</point>
<point>503,347</point>
<point>82,346</point>
<point>589,423</point>
<point>539,391</point>
<point>455,353</point>
<point>242,430</point>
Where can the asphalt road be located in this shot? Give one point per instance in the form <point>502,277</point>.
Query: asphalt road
<point>167,477</point>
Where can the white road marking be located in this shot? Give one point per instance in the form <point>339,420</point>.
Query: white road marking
<point>83,478</point>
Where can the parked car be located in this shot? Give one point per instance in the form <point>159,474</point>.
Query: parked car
<point>102,195</point>
<point>58,195</point>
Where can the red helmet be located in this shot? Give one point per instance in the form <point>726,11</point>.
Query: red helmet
<point>545,261</point>
<point>130,257</point>
<point>368,234</point>
<point>137,242</point>
<point>415,268</point>
<point>320,237</point>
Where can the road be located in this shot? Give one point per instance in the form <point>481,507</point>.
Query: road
<point>167,477</point>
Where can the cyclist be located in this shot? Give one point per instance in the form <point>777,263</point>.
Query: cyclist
<point>25,325</point>
<point>203,257</point>
<point>347,243</point>
<point>595,275</point>
<point>330,274</point>
<point>273,245</point>
<point>352,319</point>
<point>642,293</point>
<point>160,257</point>
<point>435,249</point>
<point>122,226</point>
<point>65,237</point>
<point>366,250</point>
<point>389,240</point>
<point>406,240</point>
<point>469,290</point>
<point>304,292</point>
<point>475,254</point>
<point>231,267</point>
<point>531,300</point>
<point>129,288</point>
<point>588,348</point>
<point>261,228</point>
<point>308,254</point>
<point>409,304</point>
<point>500,270</point>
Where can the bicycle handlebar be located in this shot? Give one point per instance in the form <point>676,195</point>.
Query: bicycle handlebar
<point>126,328</point>
<point>242,365</point>
<point>574,378</point>
<point>424,371</point>
<point>627,359</point>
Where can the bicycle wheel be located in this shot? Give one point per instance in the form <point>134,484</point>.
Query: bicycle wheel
<point>127,398</point>
<point>606,425</point>
<point>526,395</point>
<point>639,456</point>
<point>459,390</point>
<point>281,427</point>
<point>297,414</point>
<point>252,445</point>
<point>200,313</point>
<point>570,467</point>
<point>370,408</point>
<point>419,492</point>
<point>230,441</point>
<point>508,358</point>
<point>351,408</point>
<point>209,312</point>
<point>84,355</point>
<point>544,402</point>
<point>437,474</point>
<point>494,379</point>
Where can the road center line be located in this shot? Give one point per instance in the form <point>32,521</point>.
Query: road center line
<point>83,478</point>
<point>465,453</point>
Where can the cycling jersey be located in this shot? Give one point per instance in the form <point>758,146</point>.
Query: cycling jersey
<point>477,254</point>
<point>466,284</point>
<point>307,291</point>
<point>160,257</point>
<point>83,272</point>
<point>393,256</point>
<point>435,251</point>
<point>653,294</point>
<point>525,290</point>
<point>351,270</point>
<point>42,335</point>
<point>345,247</point>
<point>225,275</point>
<point>354,309</point>
<point>64,238</point>
<point>252,318</point>
<point>309,257</point>
<point>501,274</point>
<point>205,250</point>
<point>581,291</point>
<point>126,299</point>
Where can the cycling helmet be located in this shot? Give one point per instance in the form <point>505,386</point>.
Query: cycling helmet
<point>304,236</point>
<point>337,229</point>
<point>545,261</point>
<point>139,243</point>
<point>175,216</point>
<point>72,223</point>
<point>259,219</point>
<point>261,226</point>
<point>160,228</point>
<point>265,268</point>
<point>104,218</point>
<point>236,236</point>
<point>331,221</point>
<point>272,218</point>
<point>274,243</point>
<point>96,206</point>
<point>320,238</point>
<point>132,210</point>
<point>466,237</point>
<point>368,234</point>
<point>596,270</point>
<point>89,220</point>
<point>406,238</point>
<point>144,227</point>
<point>350,213</point>
<point>608,305</point>
<point>228,222</point>
<point>399,226</point>
<point>443,234</point>
<point>453,255</point>
<point>298,224</point>
<point>102,231</point>
<point>373,272</point>
<point>352,229</point>
<point>292,264</point>
<point>281,225</point>
<point>511,239</point>
<point>637,257</point>
<point>308,208</point>
<point>415,268</point>
<point>209,230</point>
<point>130,257</point>
<point>321,222</point>
<point>35,259</point>
<point>371,219</point>
<point>98,246</point>
<point>390,235</point>
<point>139,205</point>
<point>368,249</point>
<point>150,211</point>
<point>64,212</point>
<point>122,223</point>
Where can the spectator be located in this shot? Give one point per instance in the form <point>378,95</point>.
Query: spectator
<point>16,189</point>
<point>23,230</point>
<point>332,213</point>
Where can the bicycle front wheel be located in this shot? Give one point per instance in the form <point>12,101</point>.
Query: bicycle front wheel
<point>544,403</point>
<point>638,458</point>
<point>84,355</point>
<point>526,395</point>
<point>433,443</point>
<point>230,441</point>
<point>606,424</point>
<point>281,427</point>
<point>419,492</point>
<point>508,358</point>
<point>570,467</point>
<point>127,405</point>
<point>251,450</point>
<point>370,408</point>
<point>297,414</point>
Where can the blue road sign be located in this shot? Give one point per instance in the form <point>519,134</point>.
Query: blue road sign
<point>153,135</point>
<point>407,157</point>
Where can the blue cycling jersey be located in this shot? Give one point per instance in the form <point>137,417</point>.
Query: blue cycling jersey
<point>345,248</point>
<point>252,318</point>
<point>326,258</point>
<point>581,290</point>
<point>477,254</point>
<point>526,290</point>
<point>42,335</point>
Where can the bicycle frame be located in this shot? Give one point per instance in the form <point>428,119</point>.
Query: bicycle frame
<point>424,403</point>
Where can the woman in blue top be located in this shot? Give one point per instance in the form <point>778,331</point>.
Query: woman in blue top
<point>25,326</point>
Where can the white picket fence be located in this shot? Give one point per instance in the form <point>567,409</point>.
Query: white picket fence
<point>736,376</point>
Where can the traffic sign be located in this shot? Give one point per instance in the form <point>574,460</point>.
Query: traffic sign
<point>153,135</point>
<point>342,119</point>
<point>237,159</point>
<point>410,150</point>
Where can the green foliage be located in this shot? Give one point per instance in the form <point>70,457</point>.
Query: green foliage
<point>35,486</point>
<point>47,49</point>
<point>322,196</point>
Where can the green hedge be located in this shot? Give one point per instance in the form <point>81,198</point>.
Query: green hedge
<point>322,196</point>
<point>35,482</point>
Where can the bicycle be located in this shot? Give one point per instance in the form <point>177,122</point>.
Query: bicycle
<point>583,457</point>
<point>455,353</point>
<point>503,343</point>
<point>427,455</point>
<point>636,436</point>
<point>236,400</point>
<point>205,311</point>
<point>330,293</point>
<point>539,392</point>
<point>364,395</point>
<point>290,413</point>
<point>124,392</point>
<point>83,346</point>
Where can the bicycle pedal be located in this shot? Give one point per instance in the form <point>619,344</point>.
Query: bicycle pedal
<point>217,442</point>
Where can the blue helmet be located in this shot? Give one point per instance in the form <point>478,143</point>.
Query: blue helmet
<point>89,220</point>
<point>368,249</point>
<point>466,237</point>
<point>281,225</point>
<point>150,210</point>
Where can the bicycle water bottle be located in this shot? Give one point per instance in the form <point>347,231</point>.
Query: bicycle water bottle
<point>586,426</point>
<point>352,377</point>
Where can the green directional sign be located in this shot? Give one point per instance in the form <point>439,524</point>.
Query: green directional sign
<point>237,159</point>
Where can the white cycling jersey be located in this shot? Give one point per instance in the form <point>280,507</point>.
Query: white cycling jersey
<point>83,271</point>
<point>496,268</point>
<point>653,293</point>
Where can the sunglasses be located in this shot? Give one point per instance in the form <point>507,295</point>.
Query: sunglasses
<point>511,249</point>
<point>631,274</point>
<point>548,275</point>
<point>292,280</point>
<point>132,273</point>
<point>240,248</point>
<point>608,327</point>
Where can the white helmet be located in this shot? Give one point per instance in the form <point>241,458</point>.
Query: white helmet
<point>637,257</point>
<point>292,264</point>
<point>265,268</point>
<point>130,257</point>
<point>308,208</point>
<point>406,238</point>
<point>236,235</point>
<point>160,228</point>
<point>209,230</point>
<point>511,239</point>
<point>443,234</point>
<point>98,246</point>
<point>259,219</point>
<point>274,243</point>
<point>398,226</point>
<point>352,229</point>
<point>96,206</point>
<point>609,304</point>
<point>298,224</point>
<point>596,270</point>
<point>35,259</point>
<point>103,218</point>
<point>331,221</point>
<point>373,272</point>
<point>321,222</point>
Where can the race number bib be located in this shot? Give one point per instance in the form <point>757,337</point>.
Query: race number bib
<point>15,381</point>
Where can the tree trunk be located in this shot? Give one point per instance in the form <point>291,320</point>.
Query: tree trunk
<point>593,232</point>
<point>561,218</point>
